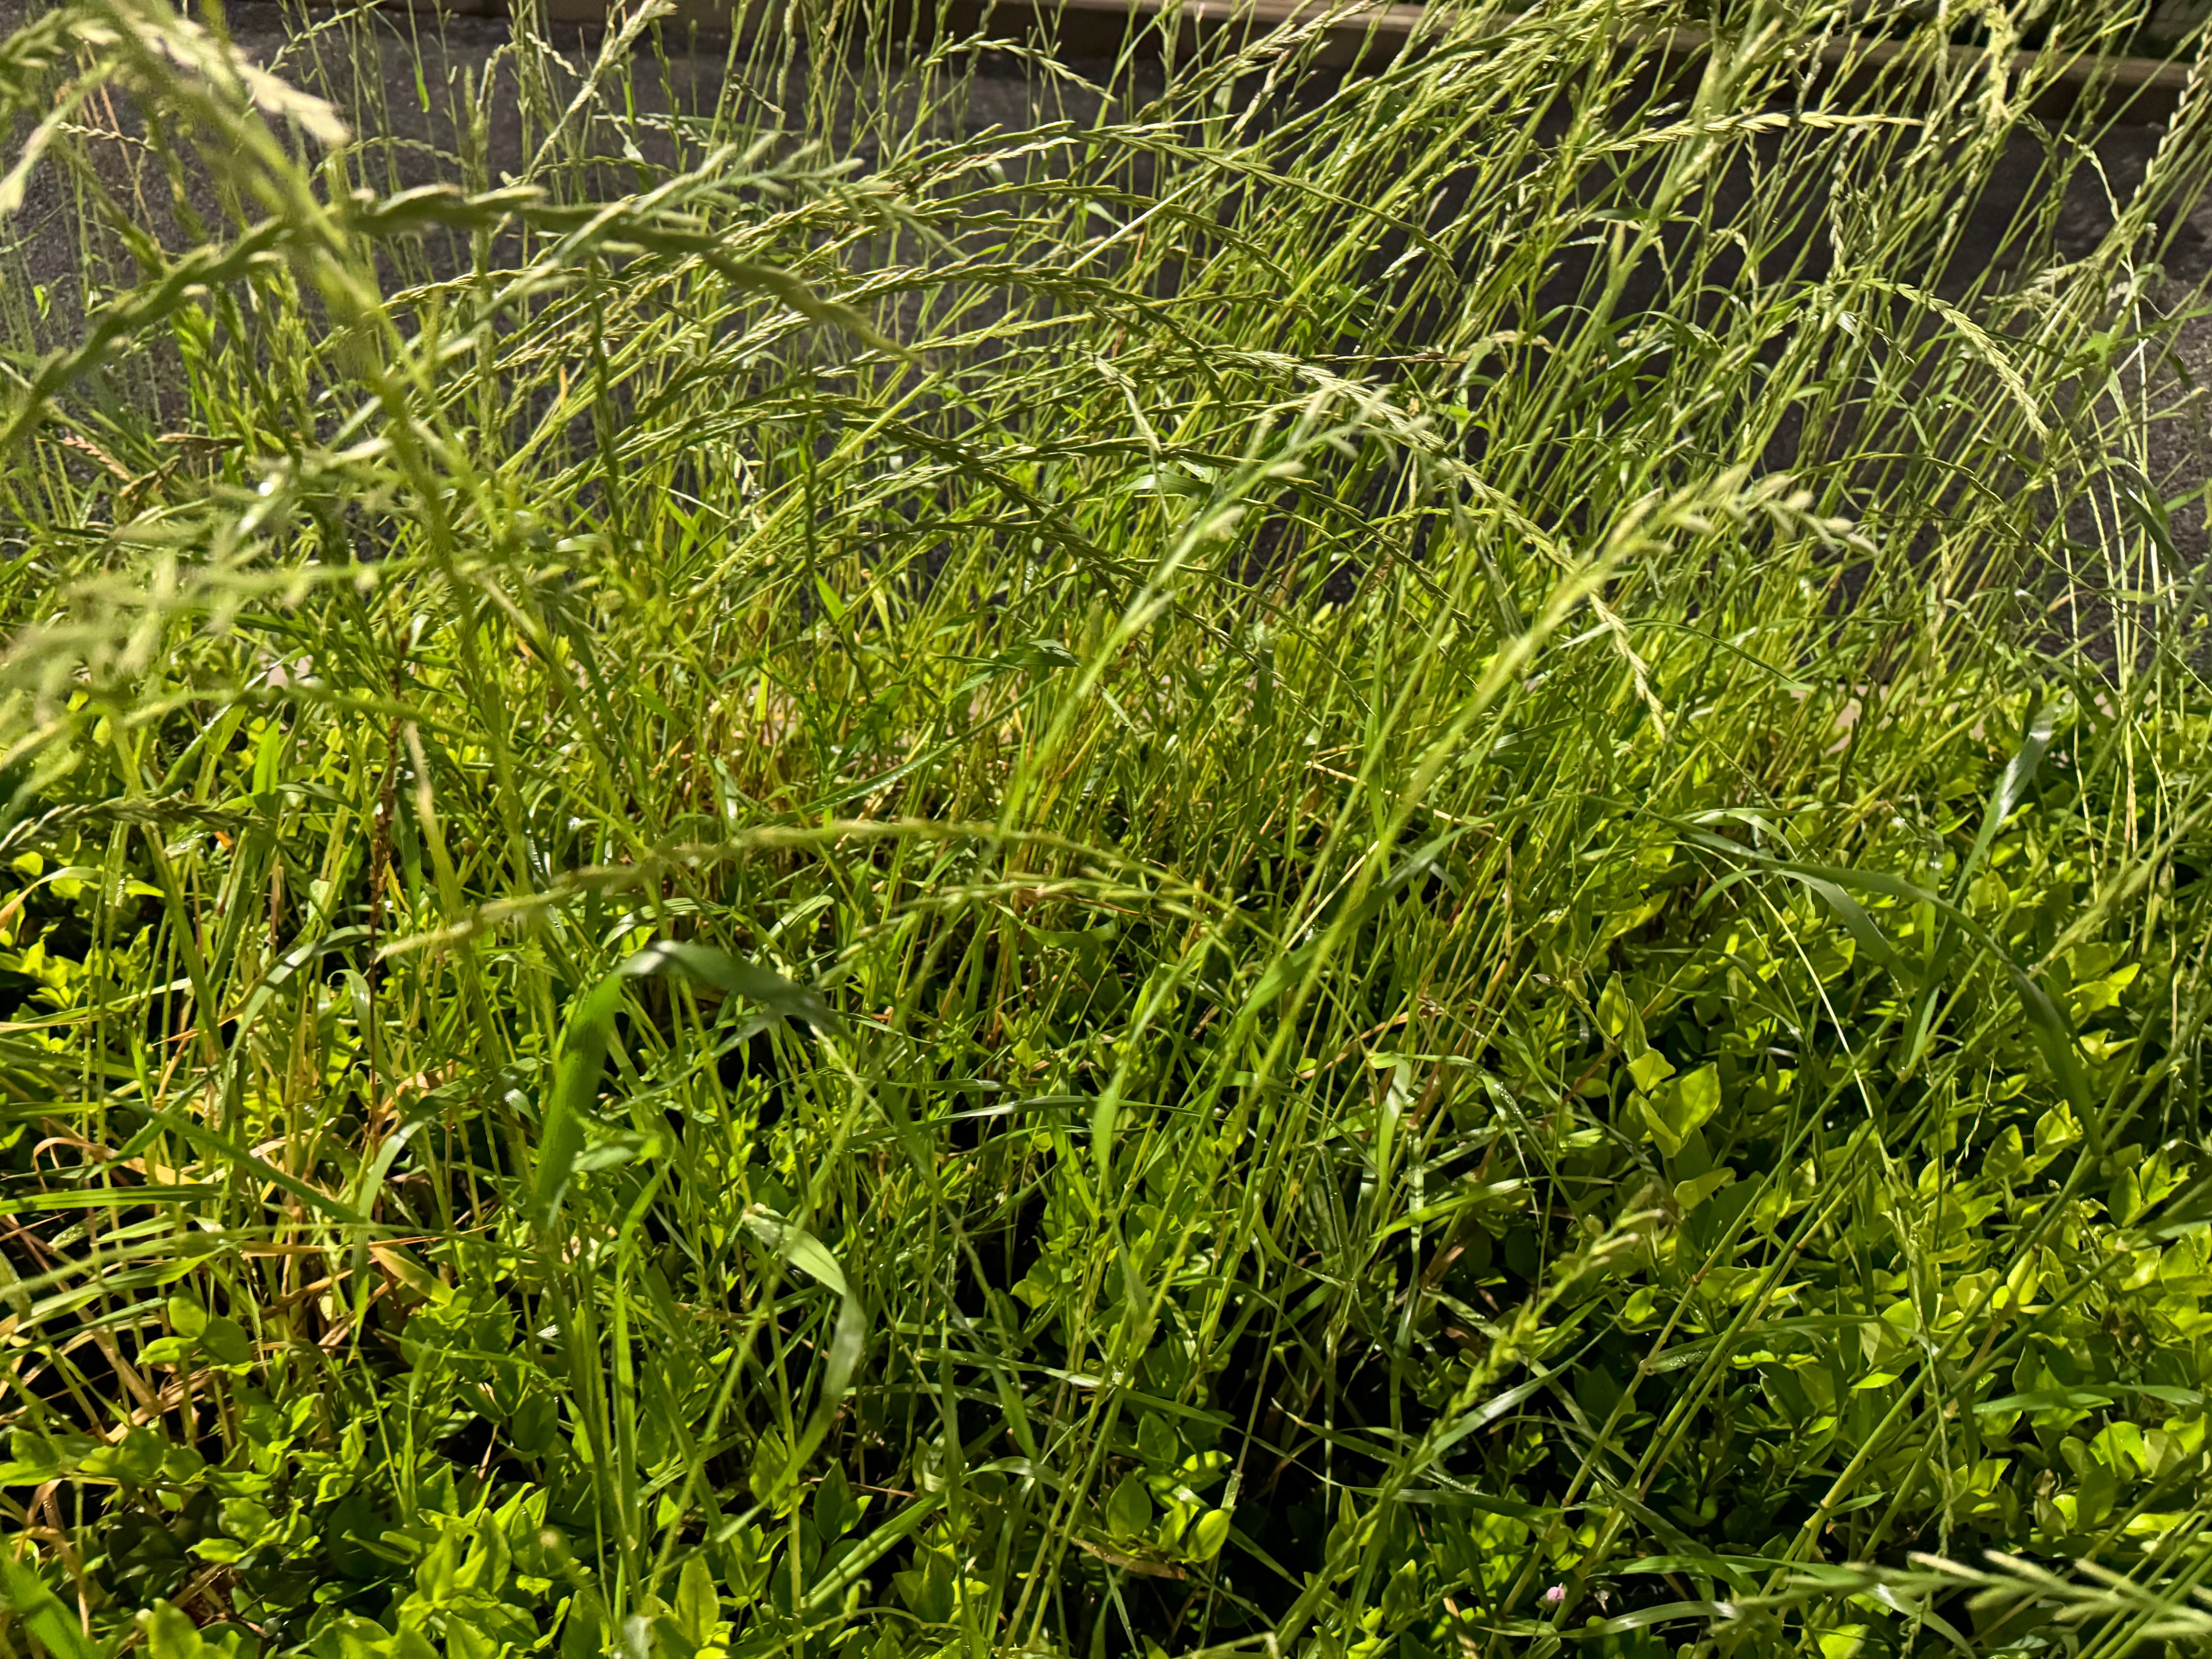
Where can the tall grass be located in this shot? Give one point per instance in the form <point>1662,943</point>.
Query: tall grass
<point>1311,865</point>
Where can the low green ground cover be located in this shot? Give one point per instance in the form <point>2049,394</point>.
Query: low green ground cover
<point>1413,864</point>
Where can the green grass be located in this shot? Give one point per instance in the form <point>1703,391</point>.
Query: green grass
<point>1321,874</point>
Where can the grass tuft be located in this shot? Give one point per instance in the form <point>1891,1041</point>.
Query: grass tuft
<point>1309,863</point>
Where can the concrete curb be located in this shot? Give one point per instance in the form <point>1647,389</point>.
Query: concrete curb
<point>1375,32</point>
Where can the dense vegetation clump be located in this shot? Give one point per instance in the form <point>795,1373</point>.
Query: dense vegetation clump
<point>1411,862</point>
